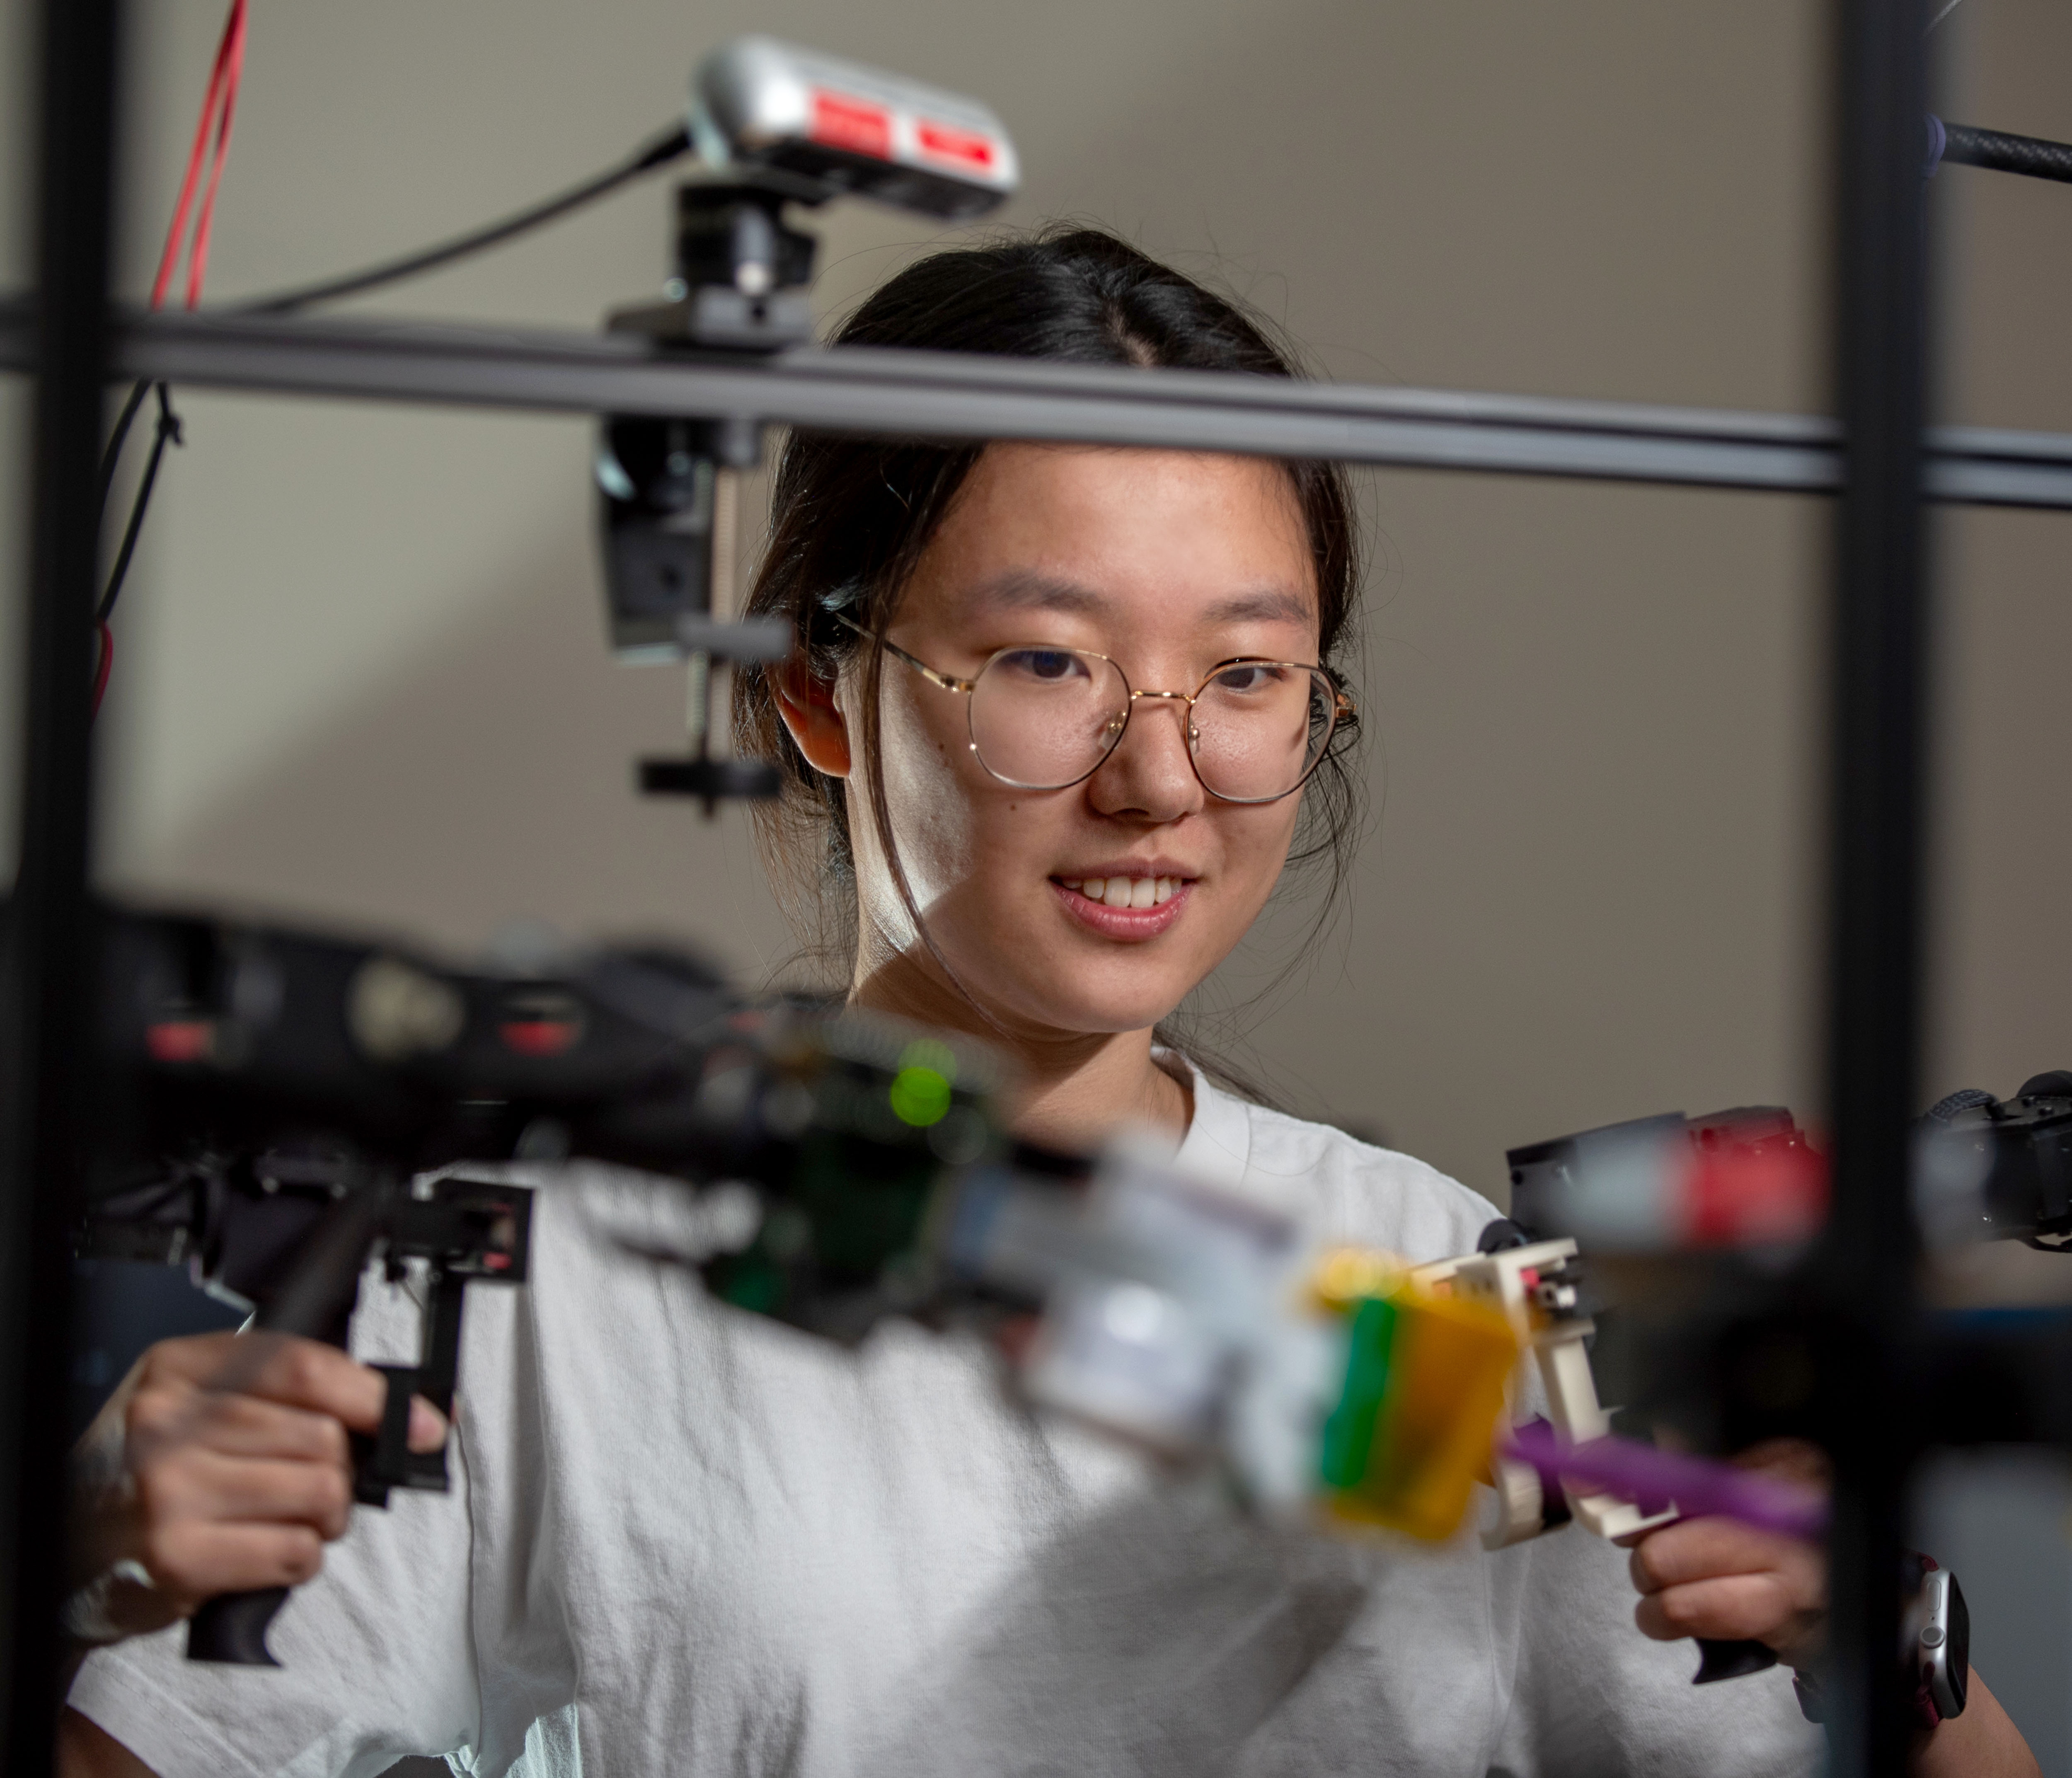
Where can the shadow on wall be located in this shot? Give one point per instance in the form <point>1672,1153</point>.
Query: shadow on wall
<point>495,781</point>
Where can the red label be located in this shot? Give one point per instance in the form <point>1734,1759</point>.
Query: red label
<point>180,1040</point>
<point>856,125</point>
<point>1749,1193</point>
<point>946,143</point>
<point>538,1036</point>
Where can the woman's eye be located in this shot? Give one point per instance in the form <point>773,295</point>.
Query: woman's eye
<point>1248,676</point>
<point>1052,663</point>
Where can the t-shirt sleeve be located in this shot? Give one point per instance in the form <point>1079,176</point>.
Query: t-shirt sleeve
<point>377,1657</point>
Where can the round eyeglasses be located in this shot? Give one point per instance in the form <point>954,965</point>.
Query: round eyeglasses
<point>1044,718</point>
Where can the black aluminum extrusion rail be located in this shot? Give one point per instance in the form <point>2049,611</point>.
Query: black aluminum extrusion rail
<point>1879,626</point>
<point>947,395</point>
<point>48,956</point>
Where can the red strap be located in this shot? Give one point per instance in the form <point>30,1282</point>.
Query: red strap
<point>219,107</point>
<point>218,110</point>
<point>233,32</point>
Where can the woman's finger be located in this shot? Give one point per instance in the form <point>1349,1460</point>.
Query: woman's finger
<point>1728,1607</point>
<point>236,1426</point>
<point>1790,1460</point>
<point>1696,1549</point>
<point>193,1484</point>
<point>303,1374</point>
<point>298,1373</point>
<point>191,1561</point>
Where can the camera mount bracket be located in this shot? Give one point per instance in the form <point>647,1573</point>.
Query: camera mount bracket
<point>671,487</point>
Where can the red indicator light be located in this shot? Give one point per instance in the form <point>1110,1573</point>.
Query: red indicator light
<point>539,1036</point>
<point>856,124</point>
<point>946,143</point>
<point>180,1040</point>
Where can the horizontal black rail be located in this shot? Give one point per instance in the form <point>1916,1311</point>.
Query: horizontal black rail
<point>956,396</point>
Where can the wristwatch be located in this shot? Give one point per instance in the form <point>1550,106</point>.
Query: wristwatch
<point>1935,1648</point>
<point>1938,1628</point>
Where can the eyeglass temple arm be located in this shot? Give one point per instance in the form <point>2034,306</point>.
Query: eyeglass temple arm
<point>946,681</point>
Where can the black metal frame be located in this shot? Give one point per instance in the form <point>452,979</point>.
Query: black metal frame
<point>1874,461</point>
<point>42,1048</point>
<point>950,396</point>
<point>1877,744</point>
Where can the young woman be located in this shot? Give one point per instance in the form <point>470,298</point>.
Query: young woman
<point>1058,720</point>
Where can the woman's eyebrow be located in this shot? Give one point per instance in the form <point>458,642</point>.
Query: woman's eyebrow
<point>1269,605</point>
<point>1025,590</point>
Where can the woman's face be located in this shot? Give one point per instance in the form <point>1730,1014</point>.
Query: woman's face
<point>1169,563</point>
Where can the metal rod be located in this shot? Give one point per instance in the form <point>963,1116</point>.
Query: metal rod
<point>943,395</point>
<point>48,956</point>
<point>1878,672</point>
<point>2031,156</point>
<point>725,542</point>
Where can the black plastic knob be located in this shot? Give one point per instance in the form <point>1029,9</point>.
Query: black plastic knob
<point>712,780</point>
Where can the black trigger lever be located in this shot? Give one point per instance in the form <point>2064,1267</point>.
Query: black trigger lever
<point>384,1459</point>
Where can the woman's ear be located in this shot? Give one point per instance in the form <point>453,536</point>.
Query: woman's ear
<point>808,707</point>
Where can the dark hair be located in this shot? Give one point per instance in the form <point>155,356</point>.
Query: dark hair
<point>850,518</point>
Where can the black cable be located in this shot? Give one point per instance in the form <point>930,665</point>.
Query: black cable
<point>113,455</point>
<point>658,153</point>
<point>2029,155</point>
<point>670,145</point>
<point>167,432</point>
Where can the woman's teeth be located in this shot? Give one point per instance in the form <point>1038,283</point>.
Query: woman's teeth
<point>1125,891</point>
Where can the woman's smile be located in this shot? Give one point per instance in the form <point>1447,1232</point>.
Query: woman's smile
<point>1125,905</point>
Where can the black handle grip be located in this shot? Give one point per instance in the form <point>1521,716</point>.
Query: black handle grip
<point>1731,1660</point>
<point>316,1296</point>
<point>232,1628</point>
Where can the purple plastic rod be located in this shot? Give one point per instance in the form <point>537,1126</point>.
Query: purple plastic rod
<point>1652,1480</point>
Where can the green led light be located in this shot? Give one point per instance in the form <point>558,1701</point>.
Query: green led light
<point>920,1096</point>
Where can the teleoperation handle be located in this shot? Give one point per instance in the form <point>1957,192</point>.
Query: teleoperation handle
<point>232,1628</point>
<point>1719,1660</point>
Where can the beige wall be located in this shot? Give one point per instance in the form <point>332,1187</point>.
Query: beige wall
<point>362,677</point>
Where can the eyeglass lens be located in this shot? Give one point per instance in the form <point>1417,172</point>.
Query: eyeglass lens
<point>1043,719</point>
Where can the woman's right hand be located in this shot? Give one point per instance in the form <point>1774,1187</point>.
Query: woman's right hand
<point>221,1465</point>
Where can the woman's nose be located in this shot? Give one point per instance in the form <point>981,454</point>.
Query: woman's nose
<point>1151,773</point>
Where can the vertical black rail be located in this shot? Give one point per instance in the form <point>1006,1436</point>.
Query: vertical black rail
<point>1878,639</point>
<point>47,956</point>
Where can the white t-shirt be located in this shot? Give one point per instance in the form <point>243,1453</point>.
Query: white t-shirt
<point>684,1539</point>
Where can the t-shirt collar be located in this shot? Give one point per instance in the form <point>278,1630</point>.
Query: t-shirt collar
<point>1217,1145</point>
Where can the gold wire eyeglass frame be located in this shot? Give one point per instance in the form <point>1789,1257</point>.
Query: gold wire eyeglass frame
<point>1342,706</point>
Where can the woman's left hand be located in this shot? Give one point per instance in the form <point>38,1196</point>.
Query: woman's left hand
<point>1723,1580</point>
<point>1728,1582</point>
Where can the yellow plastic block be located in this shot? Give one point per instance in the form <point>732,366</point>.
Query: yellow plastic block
<point>1447,1362</point>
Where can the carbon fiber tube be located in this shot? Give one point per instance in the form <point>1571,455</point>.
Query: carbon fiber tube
<point>2028,155</point>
